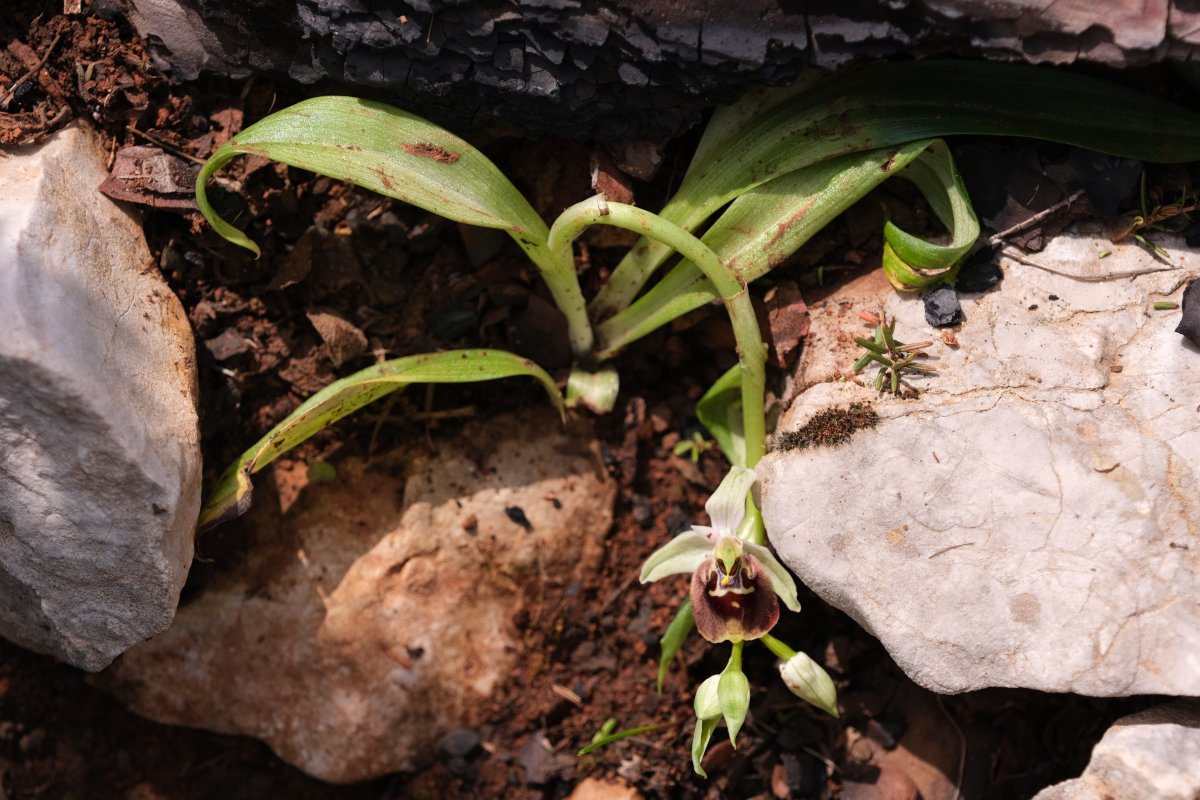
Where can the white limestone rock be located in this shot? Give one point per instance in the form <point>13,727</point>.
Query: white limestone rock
<point>1152,754</point>
<point>99,442</point>
<point>377,614</point>
<point>1033,518</point>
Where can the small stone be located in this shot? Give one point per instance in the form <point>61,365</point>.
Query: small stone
<point>461,768</point>
<point>537,759</point>
<point>595,789</point>
<point>460,742</point>
<point>343,338</point>
<point>979,273</point>
<point>942,307</point>
<point>226,345</point>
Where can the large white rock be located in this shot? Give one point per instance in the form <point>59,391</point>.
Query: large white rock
<point>1151,754</point>
<point>376,616</point>
<point>1033,519</point>
<point>99,443</point>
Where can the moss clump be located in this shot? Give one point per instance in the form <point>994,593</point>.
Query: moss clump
<point>829,427</point>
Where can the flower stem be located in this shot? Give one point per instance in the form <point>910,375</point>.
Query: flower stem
<point>777,647</point>
<point>735,658</point>
<point>752,351</point>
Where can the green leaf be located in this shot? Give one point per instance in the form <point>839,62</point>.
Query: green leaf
<point>616,737</point>
<point>676,634</point>
<point>894,103</point>
<point>728,121</point>
<point>758,231</point>
<point>232,495</point>
<point>911,262</point>
<point>388,151</point>
<point>700,740</point>
<point>720,412</point>
<point>401,155</point>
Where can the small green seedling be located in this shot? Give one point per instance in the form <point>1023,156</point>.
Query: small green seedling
<point>892,355</point>
<point>1152,218</point>
<point>693,448</point>
<point>607,735</point>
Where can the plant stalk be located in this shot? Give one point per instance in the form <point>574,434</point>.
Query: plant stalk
<point>777,647</point>
<point>752,351</point>
<point>558,271</point>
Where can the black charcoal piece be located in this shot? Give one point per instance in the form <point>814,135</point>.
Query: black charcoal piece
<point>979,273</point>
<point>1108,180</point>
<point>1189,325</point>
<point>942,307</point>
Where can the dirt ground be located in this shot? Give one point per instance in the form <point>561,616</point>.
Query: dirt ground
<point>347,275</point>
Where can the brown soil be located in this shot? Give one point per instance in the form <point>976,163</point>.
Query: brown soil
<point>347,276</point>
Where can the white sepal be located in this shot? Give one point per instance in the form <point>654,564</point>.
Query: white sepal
<point>781,579</point>
<point>727,505</point>
<point>683,554</point>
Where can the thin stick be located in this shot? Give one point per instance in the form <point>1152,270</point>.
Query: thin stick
<point>169,148</point>
<point>6,98</point>
<point>1017,255</point>
<point>1035,219</point>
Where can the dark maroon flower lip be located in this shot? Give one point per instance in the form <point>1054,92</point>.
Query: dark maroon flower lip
<point>733,605</point>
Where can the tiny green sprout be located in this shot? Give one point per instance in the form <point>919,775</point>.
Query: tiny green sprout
<point>892,355</point>
<point>606,736</point>
<point>1151,246</point>
<point>693,447</point>
<point>1105,254</point>
<point>1165,305</point>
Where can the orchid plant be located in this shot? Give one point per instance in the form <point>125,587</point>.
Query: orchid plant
<point>781,164</point>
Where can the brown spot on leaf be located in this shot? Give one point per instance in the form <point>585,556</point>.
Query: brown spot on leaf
<point>384,178</point>
<point>433,151</point>
<point>786,224</point>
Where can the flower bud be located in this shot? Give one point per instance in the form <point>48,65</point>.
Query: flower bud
<point>708,703</point>
<point>809,682</point>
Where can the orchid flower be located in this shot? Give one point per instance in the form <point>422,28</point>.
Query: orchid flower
<point>736,585</point>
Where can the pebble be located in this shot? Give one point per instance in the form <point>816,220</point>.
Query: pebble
<point>942,307</point>
<point>459,743</point>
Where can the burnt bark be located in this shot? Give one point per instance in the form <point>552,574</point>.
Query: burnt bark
<point>625,69</point>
